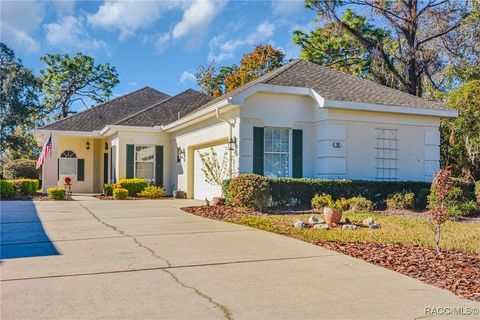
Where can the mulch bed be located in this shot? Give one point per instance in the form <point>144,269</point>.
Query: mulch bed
<point>104,197</point>
<point>458,272</point>
<point>217,212</point>
<point>38,197</point>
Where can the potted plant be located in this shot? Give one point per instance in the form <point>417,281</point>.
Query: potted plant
<point>333,212</point>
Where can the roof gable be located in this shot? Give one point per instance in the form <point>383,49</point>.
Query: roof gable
<point>97,117</point>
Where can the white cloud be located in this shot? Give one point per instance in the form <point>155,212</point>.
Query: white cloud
<point>129,16</point>
<point>161,42</point>
<point>221,50</point>
<point>187,77</point>
<point>70,32</point>
<point>196,19</point>
<point>18,21</point>
<point>133,83</point>
<point>286,8</point>
<point>64,7</point>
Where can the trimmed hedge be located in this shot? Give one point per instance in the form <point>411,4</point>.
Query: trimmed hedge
<point>134,186</point>
<point>108,189</point>
<point>120,194</point>
<point>56,193</point>
<point>301,191</point>
<point>7,189</point>
<point>27,187</point>
<point>249,191</point>
<point>152,192</point>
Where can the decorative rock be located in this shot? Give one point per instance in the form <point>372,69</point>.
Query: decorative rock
<point>347,221</point>
<point>369,222</point>
<point>299,224</point>
<point>321,226</point>
<point>315,220</point>
<point>349,227</point>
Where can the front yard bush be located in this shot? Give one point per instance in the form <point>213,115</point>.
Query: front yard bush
<point>108,189</point>
<point>400,201</point>
<point>120,194</point>
<point>20,168</point>
<point>360,204</point>
<point>27,187</point>
<point>7,189</point>
<point>249,191</point>
<point>321,201</point>
<point>152,192</point>
<point>477,192</point>
<point>56,193</point>
<point>134,186</point>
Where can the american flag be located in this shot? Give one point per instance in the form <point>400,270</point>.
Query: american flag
<point>45,151</point>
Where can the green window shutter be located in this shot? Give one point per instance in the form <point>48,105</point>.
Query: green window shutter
<point>105,168</point>
<point>159,166</point>
<point>130,161</point>
<point>297,153</point>
<point>80,169</point>
<point>258,150</point>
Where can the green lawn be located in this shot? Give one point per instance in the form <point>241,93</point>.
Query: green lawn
<point>393,229</point>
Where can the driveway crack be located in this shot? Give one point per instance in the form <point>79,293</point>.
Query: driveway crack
<point>226,312</point>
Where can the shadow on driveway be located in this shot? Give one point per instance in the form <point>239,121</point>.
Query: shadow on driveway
<point>22,233</point>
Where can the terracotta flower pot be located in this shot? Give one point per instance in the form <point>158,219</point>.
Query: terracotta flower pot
<point>218,201</point>
<point>179,194</point>
<point>332,215</point>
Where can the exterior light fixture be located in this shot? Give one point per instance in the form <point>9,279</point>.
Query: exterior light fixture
<point>180,153</point>
<point>87,145</point>
<point>106,146</point>
<point>232,144</point>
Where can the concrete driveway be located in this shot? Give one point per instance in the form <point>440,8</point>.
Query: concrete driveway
<point>150,260</point>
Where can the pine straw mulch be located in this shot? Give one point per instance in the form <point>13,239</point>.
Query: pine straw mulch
<point>105,197</point>
<point>456,271</point>
<point>218,212</point>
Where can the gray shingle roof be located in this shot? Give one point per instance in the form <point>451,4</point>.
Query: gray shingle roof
<point>109,112</point>
<point>333,85</point>
<point>167,110</point>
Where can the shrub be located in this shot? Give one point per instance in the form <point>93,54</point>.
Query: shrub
<point>454,197</point>
<point>421,199</point>
<point>360,204</point>
<point>152,192</point>
<point>249,191</point>
<point>120,193</point>
<point>400,200</point>
<point>7,189</point>
<point>56,193</point>
<point>27,187</point>
<point>134,186</point>
<point>341,203</point>
<point>322,200</point>
<point>20,168</point>
<point>108,189</point>
<point>467,208</point>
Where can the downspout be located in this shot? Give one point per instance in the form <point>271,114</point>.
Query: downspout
<point>230,123</point>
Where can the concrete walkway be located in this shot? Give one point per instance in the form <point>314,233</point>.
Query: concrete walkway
<point>150,260</point>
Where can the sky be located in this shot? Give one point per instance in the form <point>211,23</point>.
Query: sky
<point>151,43</point>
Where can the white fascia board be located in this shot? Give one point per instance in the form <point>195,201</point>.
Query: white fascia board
<point>239,99</point>
<point>111,129</point>
<point>80,134</point>
<point>361,106</point>
<point>196,115</point>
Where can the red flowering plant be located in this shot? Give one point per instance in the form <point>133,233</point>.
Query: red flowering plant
<point>439,213</point>
<point>249,191</point>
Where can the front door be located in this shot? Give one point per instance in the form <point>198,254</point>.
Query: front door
<point>105,168</point>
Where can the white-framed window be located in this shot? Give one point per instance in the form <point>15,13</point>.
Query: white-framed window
<point>67,164</point>
<point>145,162</point>
<point>386,154</point>
<point>277,152</point>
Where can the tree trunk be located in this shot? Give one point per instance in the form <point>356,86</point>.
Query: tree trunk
<point>437,239</point>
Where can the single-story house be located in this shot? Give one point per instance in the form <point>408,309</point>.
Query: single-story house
<point>300,120</point>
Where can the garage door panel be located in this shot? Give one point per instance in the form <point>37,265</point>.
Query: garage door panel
<point>201,189</point>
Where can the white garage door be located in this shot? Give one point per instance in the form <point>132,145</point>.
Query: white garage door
<point>201,188</point>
